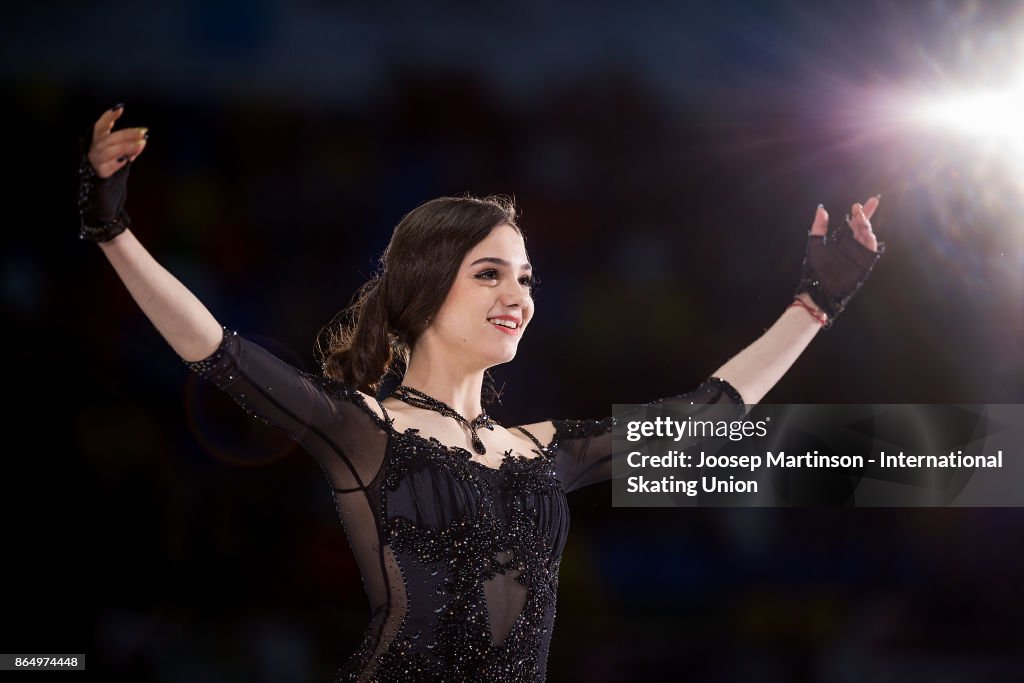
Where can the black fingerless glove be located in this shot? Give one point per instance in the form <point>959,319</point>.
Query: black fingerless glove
<point>835,266</point>
<point>101,201</point>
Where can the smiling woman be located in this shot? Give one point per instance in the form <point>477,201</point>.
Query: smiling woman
<point>447,271</point>
<point>457,523</point>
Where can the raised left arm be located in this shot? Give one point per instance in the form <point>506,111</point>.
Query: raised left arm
<point>756,369</point>
<point>834,268</point>
<point>833,271</point>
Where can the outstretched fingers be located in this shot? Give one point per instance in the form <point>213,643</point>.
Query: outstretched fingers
<point>872,204</point>
<point>110,150</point>
<point>820,225</point>
<point>122,141</point>
<point>108,160</point>
<point>105,122</point>
<point>859,221</point>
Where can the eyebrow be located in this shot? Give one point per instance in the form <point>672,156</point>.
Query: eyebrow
<point>500,262</point>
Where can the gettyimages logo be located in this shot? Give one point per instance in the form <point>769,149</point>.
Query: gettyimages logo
<point>825,455</point>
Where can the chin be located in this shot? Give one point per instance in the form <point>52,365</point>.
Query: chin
<point>492,352</point>
<point>500,358</point>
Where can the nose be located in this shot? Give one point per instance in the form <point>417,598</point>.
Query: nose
<point>514,296</point>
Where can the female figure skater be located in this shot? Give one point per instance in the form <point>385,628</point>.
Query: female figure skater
<point>457,523</point>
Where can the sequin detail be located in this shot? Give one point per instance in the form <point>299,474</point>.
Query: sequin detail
<point>208,365</point>
<point>459,560</point>
<point>501,538</point>
<point>89,184</point>
<point>835,267</point>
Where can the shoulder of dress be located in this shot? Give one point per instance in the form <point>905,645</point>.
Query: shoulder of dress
<point>343,391</point>
<point>578,429</point>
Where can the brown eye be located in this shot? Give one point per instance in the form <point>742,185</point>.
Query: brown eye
<point>487,275</point>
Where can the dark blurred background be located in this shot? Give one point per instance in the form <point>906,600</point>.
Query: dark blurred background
<point>667,159</point>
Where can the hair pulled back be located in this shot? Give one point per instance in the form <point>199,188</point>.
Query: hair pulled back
<point>390,312</point>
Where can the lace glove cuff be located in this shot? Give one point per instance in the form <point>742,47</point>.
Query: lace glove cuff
<point>101,202</point>
<point>835,266</point>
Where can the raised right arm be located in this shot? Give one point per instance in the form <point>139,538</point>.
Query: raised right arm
<point>180,317</point>
<point>330,419</point>
<point>177,314</point>
<point>335,425</point>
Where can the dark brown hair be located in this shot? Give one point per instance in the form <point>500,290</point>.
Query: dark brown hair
<point>390,312</point>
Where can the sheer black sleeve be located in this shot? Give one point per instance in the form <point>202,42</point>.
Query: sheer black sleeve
<point>584,453</point>
<point>328,418</point>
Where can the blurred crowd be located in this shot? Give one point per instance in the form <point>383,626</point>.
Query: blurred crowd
<point>154,527</point>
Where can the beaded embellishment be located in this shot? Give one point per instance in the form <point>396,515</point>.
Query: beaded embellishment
<point>418,399</point>
<point>208,365</point>
<point>88,185</point>
<point>470,553</point>
<point>512,527</point>
<point>460,560</point>
<point>835,266</point>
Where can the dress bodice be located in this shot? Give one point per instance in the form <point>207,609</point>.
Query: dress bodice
<point>459,560</point>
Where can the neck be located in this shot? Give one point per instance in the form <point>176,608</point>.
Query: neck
<point>458,387</point>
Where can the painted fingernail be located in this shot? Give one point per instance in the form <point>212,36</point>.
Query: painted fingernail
<point>143,132</point>
<point>119,105</point>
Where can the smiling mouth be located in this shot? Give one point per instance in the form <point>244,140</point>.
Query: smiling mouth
<point>507,326</point>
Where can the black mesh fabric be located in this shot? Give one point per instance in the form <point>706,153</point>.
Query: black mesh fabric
<point>459,554</point>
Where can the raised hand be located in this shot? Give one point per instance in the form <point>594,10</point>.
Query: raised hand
<point>835,266</point>
<point>110,151</point>
<point>103,177</point>
<point>859,221</point>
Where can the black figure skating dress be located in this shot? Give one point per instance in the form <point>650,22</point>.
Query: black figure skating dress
<point>459,559</point>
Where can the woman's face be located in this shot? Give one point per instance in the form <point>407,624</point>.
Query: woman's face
<point>489,305</point>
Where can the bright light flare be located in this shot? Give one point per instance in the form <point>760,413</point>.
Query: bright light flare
<point>996,116</point>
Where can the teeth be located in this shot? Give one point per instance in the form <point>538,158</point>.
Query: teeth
<point>505,323</point>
